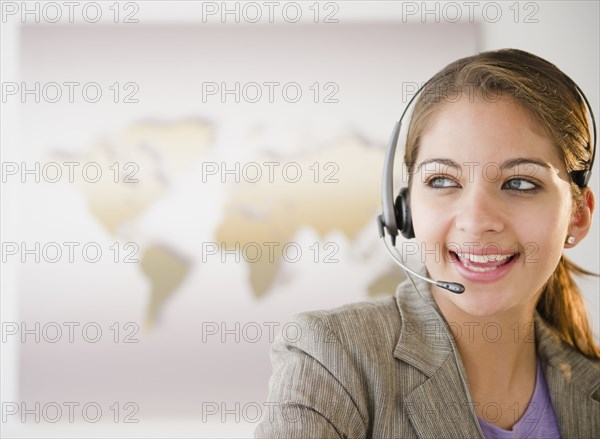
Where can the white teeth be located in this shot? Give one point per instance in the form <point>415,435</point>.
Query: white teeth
<point>482,259</point>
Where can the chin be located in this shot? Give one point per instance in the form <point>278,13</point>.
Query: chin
<point>480,308</point>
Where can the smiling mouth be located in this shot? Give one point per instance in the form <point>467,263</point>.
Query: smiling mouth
<point>483,263</point>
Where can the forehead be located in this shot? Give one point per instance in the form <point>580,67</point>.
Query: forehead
<point>474,129</point>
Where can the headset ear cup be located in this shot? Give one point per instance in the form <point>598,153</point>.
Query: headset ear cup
<point>403,216</point>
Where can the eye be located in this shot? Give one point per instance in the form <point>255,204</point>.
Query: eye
<point>520,184</point>
<point>441,183</point>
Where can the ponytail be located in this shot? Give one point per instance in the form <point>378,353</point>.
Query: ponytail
<point>562,306</point>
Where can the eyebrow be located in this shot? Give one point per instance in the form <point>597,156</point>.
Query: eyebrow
<point>511,163</point>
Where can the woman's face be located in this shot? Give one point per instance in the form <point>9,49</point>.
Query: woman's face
<point>491,205</point>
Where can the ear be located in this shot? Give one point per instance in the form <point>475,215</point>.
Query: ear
<point>582,218</point>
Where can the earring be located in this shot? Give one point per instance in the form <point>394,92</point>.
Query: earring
<point>570,239</point>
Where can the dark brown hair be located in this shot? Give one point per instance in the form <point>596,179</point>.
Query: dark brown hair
<point>552,99</point>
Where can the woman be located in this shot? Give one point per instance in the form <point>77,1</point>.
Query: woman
<point>491,149</point>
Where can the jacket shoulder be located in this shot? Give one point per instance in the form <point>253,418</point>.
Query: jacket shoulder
<point>356,326</point>
<point>324,363</point>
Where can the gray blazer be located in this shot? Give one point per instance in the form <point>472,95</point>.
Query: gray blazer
<point>391,369</point>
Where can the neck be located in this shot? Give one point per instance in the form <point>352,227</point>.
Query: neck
<point>499,357</point>
<point>498,352</point>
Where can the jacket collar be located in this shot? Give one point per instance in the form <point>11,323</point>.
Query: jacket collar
<point>426,343</point>
<point>572,379</point>
<point>441,406</point>
<point>577,370</point>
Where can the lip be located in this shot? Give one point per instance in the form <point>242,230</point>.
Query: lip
<point>483,277</point>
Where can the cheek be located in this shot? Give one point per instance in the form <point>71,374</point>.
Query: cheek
<point>430,222</point>
<point>544,241</point>
<point>543,226</point>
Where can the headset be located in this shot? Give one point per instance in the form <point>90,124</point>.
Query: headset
<point>396,215</point>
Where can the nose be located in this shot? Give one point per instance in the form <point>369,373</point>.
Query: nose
<point>479,213</point>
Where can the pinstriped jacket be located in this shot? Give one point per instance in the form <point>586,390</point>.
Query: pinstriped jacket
<point>391,369</point>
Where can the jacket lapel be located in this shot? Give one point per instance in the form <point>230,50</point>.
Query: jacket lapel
<point>440,407</point>
<point>573,382</point>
